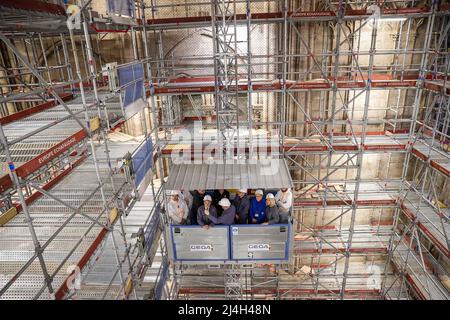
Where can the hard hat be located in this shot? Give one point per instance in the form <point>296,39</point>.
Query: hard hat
<point>174,193</point>
<point>243,190</point>
<point>270,196</point>
<point>260,192</point>
<point>224,202</point>
<point>207,198</point>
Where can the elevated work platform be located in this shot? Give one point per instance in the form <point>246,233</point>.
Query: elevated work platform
<point>425,284</point>
<point>371,194</point>
<point>365,240</point>
<point>425,149</point>
<point>46,132</point>
<point>433,222</point>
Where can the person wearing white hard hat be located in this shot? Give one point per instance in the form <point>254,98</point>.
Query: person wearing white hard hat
<point>177,208</point>
<point>228,215</point>
<point>284,199</point>
<point>258,208</point>
<point>218,195</point>
<point>271,213</point>
<point>206,211</point>
<point>242,204</point>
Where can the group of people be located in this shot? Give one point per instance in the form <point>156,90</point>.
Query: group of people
<point>216,208</point>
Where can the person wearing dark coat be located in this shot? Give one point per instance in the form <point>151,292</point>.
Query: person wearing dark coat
<point>242,204</point>
<point>272,216</point>
<point>217,196</point>
<point>229,213</point>
<point>197,202</point>
<point>205,212</point>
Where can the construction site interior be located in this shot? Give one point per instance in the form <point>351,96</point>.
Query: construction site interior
<point>109,108</point>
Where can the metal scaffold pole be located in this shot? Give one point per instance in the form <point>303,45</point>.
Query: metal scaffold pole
<point>224,31</point>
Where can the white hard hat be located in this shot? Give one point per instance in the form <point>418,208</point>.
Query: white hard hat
<point>270,196</point>
<point>260,192</point>
<point>207,198</point>
<point>174,193</point>
<point>224,202</point>
<point>243,190</point>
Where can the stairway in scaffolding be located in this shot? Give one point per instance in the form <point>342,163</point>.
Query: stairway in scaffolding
<point>142,235</point>
<point>77,222</point>
<point>233,283</point>
<point>69,239</point>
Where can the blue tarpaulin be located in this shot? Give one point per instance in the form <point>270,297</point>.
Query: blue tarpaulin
<point>151,229</point>
<point>130,73</point>
<point>131,80</point>
<point>125,75</point>
<point>138,70</point>
<point>142,161</point>
<point>150,232</point>
<point>163,275</point>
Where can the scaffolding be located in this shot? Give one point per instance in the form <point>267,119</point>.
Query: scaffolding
<point>285,79</point>
<point>349,223</point>
<point>70,180</point>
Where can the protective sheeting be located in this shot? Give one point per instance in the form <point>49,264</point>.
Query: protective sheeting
<point>264,174</point>
<point>162,279</point>
<point>152,229</point>
<point>142,161</point>
<point>131,81</point>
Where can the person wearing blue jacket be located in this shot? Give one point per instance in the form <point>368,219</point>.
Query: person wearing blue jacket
<point>258,208</point>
